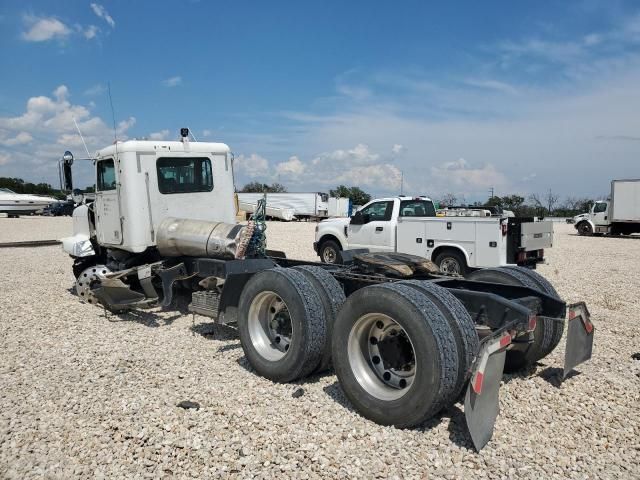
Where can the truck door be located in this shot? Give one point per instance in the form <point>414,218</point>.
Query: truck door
<point>107,208</point>
<point>378,231</point>
<point>601,213</point>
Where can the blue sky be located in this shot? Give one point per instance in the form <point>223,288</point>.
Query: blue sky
<point>460,97</point>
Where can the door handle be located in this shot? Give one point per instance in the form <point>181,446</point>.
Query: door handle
<point>378,229</point>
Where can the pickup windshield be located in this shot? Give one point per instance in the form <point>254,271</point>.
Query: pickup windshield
<point>417,208</point>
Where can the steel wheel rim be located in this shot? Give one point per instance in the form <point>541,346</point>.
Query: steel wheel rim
<point>87,279</point>
<point>449,265</point>
<point>329,255</point>
<point>270,326</point>
<point>585,229</point>
<point>367,357</point>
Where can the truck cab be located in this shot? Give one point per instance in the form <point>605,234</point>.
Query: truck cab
<point>141,183</point>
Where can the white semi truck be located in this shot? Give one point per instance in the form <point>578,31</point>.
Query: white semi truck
<point>620,215</point>
<point>457,244</point>
<point>405,341</point>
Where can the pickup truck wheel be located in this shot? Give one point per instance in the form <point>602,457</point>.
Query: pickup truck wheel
<point>543,335</point>
<point>461,324</point>
<point>332,297</point>
<point>451,262</point>
<point>330,252</point>
<point>395,355</point>
<point>281,324</point>
<point>584,228</point>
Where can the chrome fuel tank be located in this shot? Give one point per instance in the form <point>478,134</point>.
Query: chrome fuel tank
<point>178,237</point>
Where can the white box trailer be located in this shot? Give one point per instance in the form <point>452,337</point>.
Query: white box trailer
<point>339,207</point>
<point>625,200</point>
<point>304,205</point>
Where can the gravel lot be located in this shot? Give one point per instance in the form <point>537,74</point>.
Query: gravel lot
<point>88,395</point>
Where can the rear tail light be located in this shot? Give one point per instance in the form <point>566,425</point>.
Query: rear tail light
<point>522,256</point>
<point>504,229</point>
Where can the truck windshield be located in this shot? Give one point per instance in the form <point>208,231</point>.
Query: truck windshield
<point>417,208</point>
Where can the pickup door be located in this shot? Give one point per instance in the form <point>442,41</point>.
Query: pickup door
<point>378,232</point>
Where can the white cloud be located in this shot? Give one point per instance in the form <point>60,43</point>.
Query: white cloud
<point>491,85</point>
<point>4,158</point>
<point>252,166</point>
<point>466,177</point>
<point>95,90</point>
<point>207,133</point>
<point>90,32</point>
<point>42,29</point>
<point>172,81</point>
<point>292,168</point>
<point>46,128</point>
<point>101,12</point>
<point>161,135</point>
<point>398,149</point>
<point>358,155</point>
<point>20,139</point>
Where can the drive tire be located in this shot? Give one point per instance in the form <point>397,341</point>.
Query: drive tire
<point>329,252</point>
<point>307,320</point>
<point>332,297</point>
<point>584,229</point>
<point>433,345</point>
<point>460,323</point>
<point>545,333</point>
<point>453,258</point>
<point>544,286</point>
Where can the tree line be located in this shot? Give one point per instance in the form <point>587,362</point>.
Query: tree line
<point>536,205</point>
<point>18,185</point>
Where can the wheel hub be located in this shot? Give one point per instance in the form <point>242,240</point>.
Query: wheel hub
<point>87,280</point>
<point>270,325</point>
<point>382,356</point>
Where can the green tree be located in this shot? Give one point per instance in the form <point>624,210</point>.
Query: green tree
<point>357,195</point>
<point>257,187</point>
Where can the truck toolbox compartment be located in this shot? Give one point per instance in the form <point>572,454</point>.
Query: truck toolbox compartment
<point>536,235</point>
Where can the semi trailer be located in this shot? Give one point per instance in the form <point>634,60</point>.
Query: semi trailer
<point>620,215</point>
<point>405,340</point>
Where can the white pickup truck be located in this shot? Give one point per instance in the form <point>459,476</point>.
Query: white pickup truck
<point>455,244</point>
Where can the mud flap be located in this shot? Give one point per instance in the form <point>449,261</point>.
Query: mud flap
<point>579,337</point>
<point>481,402</point>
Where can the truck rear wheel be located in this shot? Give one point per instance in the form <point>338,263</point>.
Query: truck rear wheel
<point>329,252</point>
<point>332,297</point>
<point>547,333</point>
<point>452,262</point>
<point>395,355</point>
<point>461,324</point>
<point>281,324</point>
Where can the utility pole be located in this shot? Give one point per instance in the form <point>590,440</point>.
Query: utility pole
<point>490,192</point>
<point>401,181</point>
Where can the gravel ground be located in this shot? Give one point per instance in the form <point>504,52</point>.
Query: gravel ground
<point>88,395</point>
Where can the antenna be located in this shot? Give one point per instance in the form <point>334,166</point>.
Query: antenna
<point>113,115</point>
<point>81,137</point>
<point>194,137</point>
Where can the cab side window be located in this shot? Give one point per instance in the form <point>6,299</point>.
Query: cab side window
<point>378,211</point>
<point>600,207</point>
<point>106,175</point>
